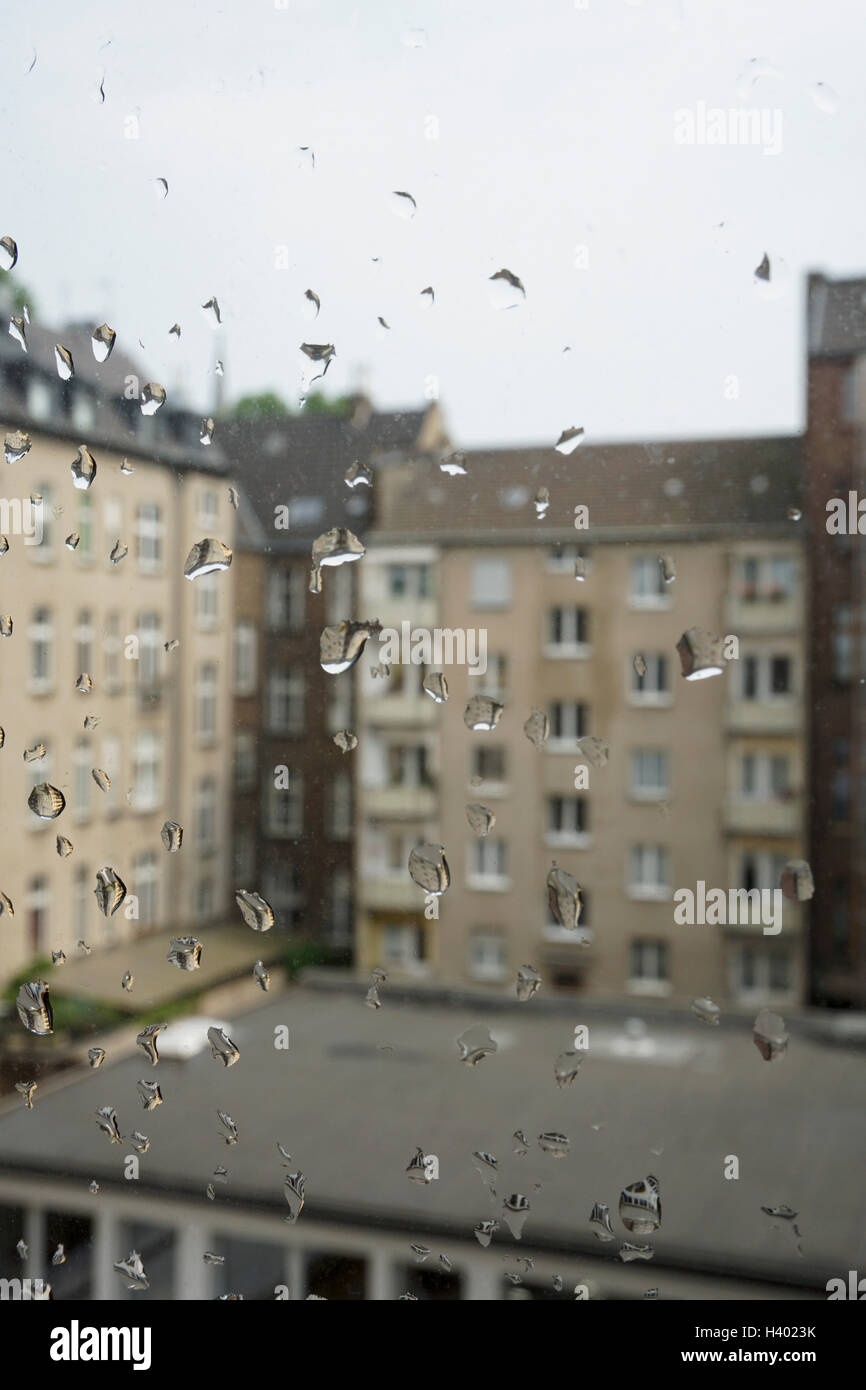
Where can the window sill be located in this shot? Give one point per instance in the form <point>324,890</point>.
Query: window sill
<point>650,700</point>
<point>565,839</point>
<point>563,745</point>
<point>488,883</point>
<point>648,893</point>
<point>567,651</point>
<point>488,975</point>
<point>656,989</point>
<point>648,795</point>
<point>37,689</point>
<point>650,603</point>
<point>489,789</point>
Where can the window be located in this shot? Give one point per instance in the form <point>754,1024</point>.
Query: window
<point>207,602</point>
<point>569,721</point>
<point>149,537</point>
<point>488,764</point>
<point>245,760</point>
<point>207,508</point>
<point>407,766</point>
<point>765,776</point>
<point>83,637</point>
<point>648,872</point>
<point>561,559</point>
<point>245,855</point>
<point>567,820</point>
<point>149,651</point>
<point>567,631</point>
<point>284,890</point>
<point>204,814</point>
<point>83,903</point>
<point>761,869</point>
<point>843,643</point>
<point>494,681</point>
<point>491,583</point>
<point>147,770</point>
<point>83,781</point>
<point>145,878</point>
<point>488,955</point>
<point>83,411</point>
<point>759,974</point>
<point>306,511</point>
<point>111,762</point>
<point>84,527</point>
<point>38,914</point>
<point>340,702</point>
<point>766,677</point>
<point>287,595</point>
<point>245,655</point>
<point>649,967</point>
<point>403,946</point>
<point>41,512</point>
<point>286,700</point>
<point>112,647</point>
<point>204,899</point>
<point>284,806</point>
<point>338,593</point>
<point>206,703</point>
<point>766,578</point>
<point>648,588</point>
<point>41,634</point>
<point>340,907</point>
<point>340,806</point>
<point>649,774</point>
<point>488,865</point>
<point>653,686</point>
<point>113,522</point>
<point>408,581</point>
<point>41,397</point>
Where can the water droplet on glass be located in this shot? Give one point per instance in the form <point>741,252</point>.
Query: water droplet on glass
<point>317,353</point>
<point>528,983</point>
<point>25,1090</point>
<point>84,948</point>
<point>436,686</point>
<point>93,1188</point>
<point>480,818</point>
<point>485,1163</point>
<point>371,998</point>
<point>172,836</point>
<point>639,665</point>
<point>6,905</point>
<point>797,882</point>
<point>541,502</point>
<point>46,802</point>
<point>419,1170</point>
<point>482,713</point>
<point>32,755</point>
<point>476,1043</point>
<point>404,205</point>
<point>293,1191</point>
<point>160,188</point>
<point>596,750</point>
<point>211,311</point>
<point>668,568</point>
<point>2,737</point>
<point>106,1118</point>
<point>18,330</point>
<point>358,474</point>
<point>84,684</point>
<point>64,847</point>
<point>824,98</point>
<point>420,1252</point>
<point>553,1144</point>
<point>762,272</point>
<point>102,341</point>
<point>58,957</point>
<point>126,467</point>
<point>63,362</point>
<point>563,896</point>
<point>4,545</point>
<point>59,1256</point>
<point>566,1068</point>
<point>172,645</point>
<point>515,1210</point>
<point>428,867</point>
<point>640,1207</point>
<point>255,911</point>
<point>755,69</point>
<point>628,1252</point>
<point>505,290</point>
<point>226,1120</point>
<point>770,1035</point>
<point>206,431</point>
<point>146,1040</point>
<point>6,625</point>
<point>110,891</point>
<point>445,1263</point>
<point>185,952</point>
<point>336,547</point>
<point>96,1056</point>
<point>101,778</point>
<point>92,721</point>
<point>17,444</point>
<point>127,982</point>
<point>8,253</point>
<point>569,440</point>
<point>454,465</point>
<point>132,1272</point>
<point>485,1231</point>
<point>152,397</point>
<point>600,1217</point>
<point>537,727</point>
<point>150,1094</point>
<point>83,468</point>
<point>312,304</point>
<point>207,557</point>
<point>700,654</point>
<point>211,1259</point>
<point>222,1049</point>
<point>262,975</point>
<point>706,1011</point>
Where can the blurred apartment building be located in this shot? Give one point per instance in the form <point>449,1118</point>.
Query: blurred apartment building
<point>835,459</point>
<point>705,780</point>
<point>293,800</point>
<point>158,722</point>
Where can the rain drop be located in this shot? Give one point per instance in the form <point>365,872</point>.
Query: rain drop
<point>255,911</point>
<point>150,1094</point>
<point>428,867</point>
<point>770,1035</point>
<point>262,975</point>
<point>8,253</point>
<point>528,983</point>
<point>64,847</point>
<point>102,341</point>
<point>706,1011</point>
<point>185,952</point>
<point>106,1118</point>
<point>110,891</point>
<point>566,1068</point>
<point>101,778</point>
<point>146,1040</point>
<point>132,1272</point>
<point>152,397</point>
<point>83,468</point>
<point>172,836</point>
<point>45,801</point>
<point>206,557</point>
<point>17,444</point>
<point>403,205</point>
<point>25,1090</point>
<point>63,362</point>
<point>96,1056</point>
<point>480,818</point>
<point>221,1047</point>
<point>569,440</point>
<point>436,686</point>
<point>563,896</point>
<point>640,1207</point>
<point>482,713</point>
<point>475,1043</point>
<point>537,727</point>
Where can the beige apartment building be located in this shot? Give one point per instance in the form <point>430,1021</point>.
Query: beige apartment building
<point>156,721</point>
<point>704,781</point>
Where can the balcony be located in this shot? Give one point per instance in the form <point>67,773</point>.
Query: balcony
<point>793,920</point>
<point>780,716</point>
<point>405,801</point>
<point>777,816</point>
<point>390,894</point>
<point>400,711</point>
<point>762,614</point>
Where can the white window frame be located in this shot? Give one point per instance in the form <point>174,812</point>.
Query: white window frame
<point>149,538</point>
<point>147,770</point>
<point>41,632</point>
<point>488,955</point>
<point>644,888</point>
<point>245,657</point>
<point>289,825</point>
<point>567,838</point>
<point>652,697</point>
<point>570,717</point>
<point>286,695</point>
<point>640,790</point>
<point>645,593</point>
<point>568,647</point>
<point>490,583</point>
<point>206,703</point>
<point>650,983</point>
<point>483,877</point>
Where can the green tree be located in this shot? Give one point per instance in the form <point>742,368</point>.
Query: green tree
<point>259,407</point>
<point>20,293</point>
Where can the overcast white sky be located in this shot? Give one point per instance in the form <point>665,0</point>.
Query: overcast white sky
<point>555,130</point>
